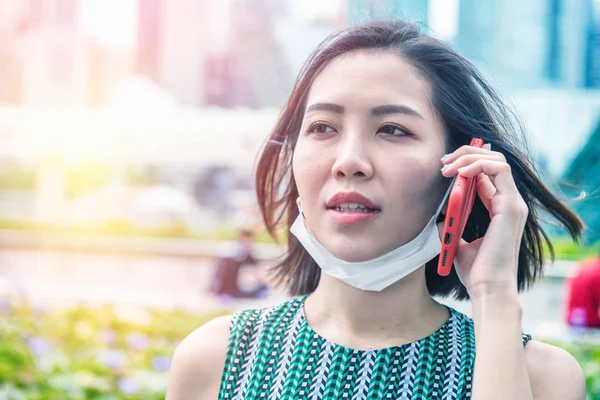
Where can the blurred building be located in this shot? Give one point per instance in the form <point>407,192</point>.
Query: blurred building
<point>14,24</point>
<point>53,53</point>
<point>533,44</point>
<point>592,77</point>
<point>510,39</point>
<point>203,52</point>
<point>361,10</point>
<point>219,53</point>
<point>149,34</point>
<point>43,55</point>
<point>262,74</point>
<point>182,46</point>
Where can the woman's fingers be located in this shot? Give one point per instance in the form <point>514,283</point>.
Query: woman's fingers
<point>471,161</point>
<point>493,174</point>
<point>485,190</point>
<point>499,173</point>
<point>464,150</point>
<point>452,166</point>
<point>472,166</point>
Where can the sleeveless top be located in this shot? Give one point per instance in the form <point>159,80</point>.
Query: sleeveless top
<point>272,353</point>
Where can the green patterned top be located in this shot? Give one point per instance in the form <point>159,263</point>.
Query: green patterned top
<point>273,353</point>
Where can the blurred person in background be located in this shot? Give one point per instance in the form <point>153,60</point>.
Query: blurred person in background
<point>225,282</point>
<point>583,299</point>
<point>352,170</point>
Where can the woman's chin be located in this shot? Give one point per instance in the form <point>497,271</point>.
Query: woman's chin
<point>355,254</point>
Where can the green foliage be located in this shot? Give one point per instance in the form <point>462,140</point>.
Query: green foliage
<point>566,249</point>
<point>100,353</point>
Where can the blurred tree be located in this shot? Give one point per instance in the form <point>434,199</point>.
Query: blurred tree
<point>584,174</point>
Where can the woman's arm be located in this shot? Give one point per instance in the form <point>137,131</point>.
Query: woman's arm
<point>198,362</point>
<point>500,370</point>
<point>504,369</point>
<point>487,267</point>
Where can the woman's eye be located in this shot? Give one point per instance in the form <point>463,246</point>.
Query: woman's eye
<point>393,130</point>
<point>320,128</point>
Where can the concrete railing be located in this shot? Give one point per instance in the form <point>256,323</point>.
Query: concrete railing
<point>174,247</point>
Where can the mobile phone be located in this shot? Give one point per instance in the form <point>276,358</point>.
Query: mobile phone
<point>460,204</point>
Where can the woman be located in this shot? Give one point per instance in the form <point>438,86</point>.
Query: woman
<point>352,168</point>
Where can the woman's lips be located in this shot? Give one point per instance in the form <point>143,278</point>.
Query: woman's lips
<point>351,217</point>
<point>351,197</point>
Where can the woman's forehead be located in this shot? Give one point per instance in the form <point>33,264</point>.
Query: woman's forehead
<point>371,77</point>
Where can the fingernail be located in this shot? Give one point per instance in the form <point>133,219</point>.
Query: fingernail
<point>445,167</point>
<point>487,146</point>
<point>444,157</point>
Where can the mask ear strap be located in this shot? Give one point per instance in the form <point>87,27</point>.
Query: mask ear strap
<point>299,204</point>
<point>445,198</point>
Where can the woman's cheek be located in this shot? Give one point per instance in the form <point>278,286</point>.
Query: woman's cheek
<point>307,174</point>
<point>415,179</point>
<point>310,162</point>
<point>414,173</point>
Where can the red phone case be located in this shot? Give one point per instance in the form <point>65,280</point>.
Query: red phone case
<point>460,204</point>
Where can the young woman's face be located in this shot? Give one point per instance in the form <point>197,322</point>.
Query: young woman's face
<point>369,139</point>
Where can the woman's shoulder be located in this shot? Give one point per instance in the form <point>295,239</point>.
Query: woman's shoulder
<point>255,317</point>
<point>460,322</point>
<point>553,372</point>
<point>198,361</point>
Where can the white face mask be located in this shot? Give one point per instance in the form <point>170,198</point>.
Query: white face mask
<point>380,272</point>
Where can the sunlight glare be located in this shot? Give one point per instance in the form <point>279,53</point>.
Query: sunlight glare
<point>443,18</point>
<point>316,8</point>
<point>112,22</point>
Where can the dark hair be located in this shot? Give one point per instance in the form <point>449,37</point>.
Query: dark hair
<point>468,108</point>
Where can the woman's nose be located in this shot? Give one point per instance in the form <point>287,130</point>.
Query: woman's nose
<point>352,160</point>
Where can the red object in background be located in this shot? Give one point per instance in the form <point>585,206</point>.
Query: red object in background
<point>583,301</point>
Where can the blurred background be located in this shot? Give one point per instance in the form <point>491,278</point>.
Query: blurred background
<point>128,135</point>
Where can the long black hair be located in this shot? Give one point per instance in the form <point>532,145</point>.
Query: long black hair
<point>468,106</point>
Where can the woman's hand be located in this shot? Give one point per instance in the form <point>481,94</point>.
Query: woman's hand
<point>488,265</point>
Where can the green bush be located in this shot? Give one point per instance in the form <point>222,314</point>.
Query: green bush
<point>566,249</point>
<point>82,352</point>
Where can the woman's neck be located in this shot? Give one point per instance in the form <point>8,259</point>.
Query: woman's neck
<point>401,313</point>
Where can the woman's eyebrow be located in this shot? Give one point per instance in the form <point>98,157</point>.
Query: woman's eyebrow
<point>374,112</point>
<point>326,107</point>
<point>394,109</point>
